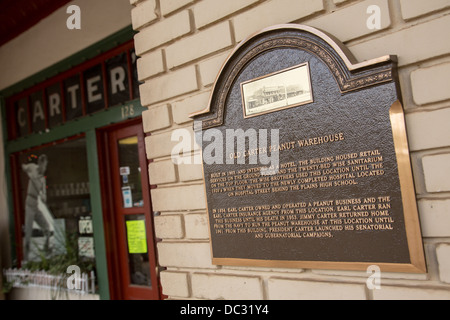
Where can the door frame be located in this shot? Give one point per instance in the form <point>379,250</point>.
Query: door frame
<point>113,256</point>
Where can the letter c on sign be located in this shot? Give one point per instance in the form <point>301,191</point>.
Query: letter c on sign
<point>20,117</point>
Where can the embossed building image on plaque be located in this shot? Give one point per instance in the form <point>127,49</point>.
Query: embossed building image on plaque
<point>284,89</point>
<point>338,192</point>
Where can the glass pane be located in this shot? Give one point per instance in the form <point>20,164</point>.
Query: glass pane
<point>118,84</point>
<point>72,92</point>
<point>37,112</point>
<point>137,250</point>
<point>54,105</point>
<point>93,81</point>
<point>130,173</point>
<point>21,115</point>
<point>57,216</point>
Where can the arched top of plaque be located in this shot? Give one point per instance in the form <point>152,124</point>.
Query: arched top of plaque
<point>348,73</point>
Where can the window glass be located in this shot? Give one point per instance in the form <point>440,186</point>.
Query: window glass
<point>130,172</point>
<point>118,84</point>
<point>137,250</point>
<point>56,215</point>
<point>54,105</point>
<point>37,112</point>
<point>21,117</point>
<point>72,96</point>
<point>93,82</point>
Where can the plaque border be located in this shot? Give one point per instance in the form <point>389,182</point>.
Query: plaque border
<point>384,73</point>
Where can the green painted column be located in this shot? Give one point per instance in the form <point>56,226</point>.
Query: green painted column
<point>97,215</point>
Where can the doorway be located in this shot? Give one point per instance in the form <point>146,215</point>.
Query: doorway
<point>127,212</point>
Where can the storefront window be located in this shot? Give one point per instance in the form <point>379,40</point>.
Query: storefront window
<point>49,172</point>
<point>56,215</point>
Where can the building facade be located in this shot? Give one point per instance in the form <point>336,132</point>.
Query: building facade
<point>181,46</point>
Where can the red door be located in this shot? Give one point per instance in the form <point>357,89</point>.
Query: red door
<point>128,213</point>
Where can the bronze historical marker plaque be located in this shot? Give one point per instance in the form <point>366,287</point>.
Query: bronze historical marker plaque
<point>306,162</point>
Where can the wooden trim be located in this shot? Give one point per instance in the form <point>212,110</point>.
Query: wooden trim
<point>113,213</point>
<point>18,209</point>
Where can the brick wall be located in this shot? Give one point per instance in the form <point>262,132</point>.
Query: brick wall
<point>182,45</point>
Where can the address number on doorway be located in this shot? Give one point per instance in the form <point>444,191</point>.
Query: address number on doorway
<point>127,111</point>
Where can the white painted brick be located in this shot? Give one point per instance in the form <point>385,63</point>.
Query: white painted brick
<point>443,258</point>
<point>156,118</point>
<point>143,13</point>
<point>208,11</point>
<point>226,287</point>
<point>183,108</point>
<point>410,293</point>
<point>198,45</point>
<point>435,218</point>
<point>437,172</point>
<point>179,198</point>
<point>190,172</point>
<point>196,225</point>
<point>185,255</point>
<point>352,20</point>
<point>209,69</point>
<point>168,6</point>
<point>175,284</point>
<point>273,12</point>
<point>431,84</point>
<point>405,43</point>
<point>415,8</point>
<point>162,32</point>
<point>161,172</point>
<point>428,130</point>
<point>168,85</point>
<point>161,145</point>
<point>150,64</point>
<point>284,289</point>
<point>169,227</point>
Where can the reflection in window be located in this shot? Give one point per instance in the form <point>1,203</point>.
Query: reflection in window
<point>137,250</point>
<point>56,215</point>
<point>130,173</point>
